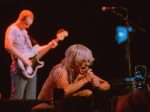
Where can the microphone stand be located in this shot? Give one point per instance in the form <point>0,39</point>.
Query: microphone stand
<point>128,53</point>
<point>126,19</point>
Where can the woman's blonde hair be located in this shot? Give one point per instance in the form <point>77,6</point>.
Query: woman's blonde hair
<point>76,53</point>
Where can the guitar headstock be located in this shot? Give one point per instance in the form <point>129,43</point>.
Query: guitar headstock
<point>61,34</point>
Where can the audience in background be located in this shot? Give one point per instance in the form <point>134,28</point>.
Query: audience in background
<point>134,102</point>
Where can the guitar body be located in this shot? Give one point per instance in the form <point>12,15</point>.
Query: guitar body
<point>30,71</point>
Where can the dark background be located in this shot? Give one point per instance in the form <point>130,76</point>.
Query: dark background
<point>87,24</point>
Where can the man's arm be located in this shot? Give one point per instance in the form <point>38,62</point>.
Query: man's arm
<point>60,36</point>
<point>45,48</point>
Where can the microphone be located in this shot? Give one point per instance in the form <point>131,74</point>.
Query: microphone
<point>105,8</point>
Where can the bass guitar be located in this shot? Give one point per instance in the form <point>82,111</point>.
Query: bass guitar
<point>30,71</point>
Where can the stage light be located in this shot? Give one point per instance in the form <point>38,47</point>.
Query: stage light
<point>121,34</point>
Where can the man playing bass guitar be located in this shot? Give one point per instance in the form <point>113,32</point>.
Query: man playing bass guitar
<point>25,56</point>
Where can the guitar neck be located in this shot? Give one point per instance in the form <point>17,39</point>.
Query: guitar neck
<point>46,48</point>
<point>61,34</point>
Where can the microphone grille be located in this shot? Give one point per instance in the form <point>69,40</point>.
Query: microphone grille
<point>104,8</point>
